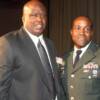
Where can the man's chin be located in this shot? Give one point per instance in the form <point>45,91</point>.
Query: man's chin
<point>81,45</point>
<point>37,33</point>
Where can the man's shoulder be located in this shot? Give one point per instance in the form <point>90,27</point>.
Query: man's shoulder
<point>48,41</point>
<point>98,51</point>
<point>94,47</point>
<point>10,34</point>
<point>9,38</point>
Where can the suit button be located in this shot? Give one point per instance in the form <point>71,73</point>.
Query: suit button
<point>72,98</point>
<point>72,75</point>
<point>71,86</point>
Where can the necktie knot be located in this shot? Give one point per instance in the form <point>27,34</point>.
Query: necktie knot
<point>39,43</point>
<point>79,52</point>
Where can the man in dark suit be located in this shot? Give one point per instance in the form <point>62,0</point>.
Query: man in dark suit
<point>81,75</point>
<point>23,71</point>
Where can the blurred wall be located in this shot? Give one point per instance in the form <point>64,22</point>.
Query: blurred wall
<point>61,14</point>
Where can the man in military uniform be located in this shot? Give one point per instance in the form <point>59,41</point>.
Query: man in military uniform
<point>81,75</point>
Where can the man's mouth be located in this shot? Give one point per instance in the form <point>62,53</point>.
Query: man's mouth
<point>39,26</point>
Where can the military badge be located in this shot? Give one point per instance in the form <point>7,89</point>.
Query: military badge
<point>60,62</point>
<point>91,66</point>
<point>94,73</point>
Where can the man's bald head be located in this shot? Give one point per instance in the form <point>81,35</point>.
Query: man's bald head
<point>85,18</point>
<point>32,3</point>
<point>34,17</point>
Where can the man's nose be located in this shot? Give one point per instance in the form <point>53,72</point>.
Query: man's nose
<point>82,31</point>
<point>39,18</point>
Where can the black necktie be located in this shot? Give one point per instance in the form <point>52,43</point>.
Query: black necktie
<point>78,52</point>
<point>44,57</point>
<point>47,68</point>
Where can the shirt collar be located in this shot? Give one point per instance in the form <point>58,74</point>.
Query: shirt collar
<point>34,38</point>
<point>83,49</point>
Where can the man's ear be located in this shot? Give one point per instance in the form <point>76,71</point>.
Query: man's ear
<point>22,18</point>
<point>71,32</point>
<point>92,32</point>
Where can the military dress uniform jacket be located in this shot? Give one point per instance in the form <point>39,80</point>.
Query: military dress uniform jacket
<point>83,81</point>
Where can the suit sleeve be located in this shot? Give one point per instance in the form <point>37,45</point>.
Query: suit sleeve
<point>5,68</point>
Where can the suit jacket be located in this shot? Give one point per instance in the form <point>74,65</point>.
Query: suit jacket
<point>83,82</point>
<point>21,74</point>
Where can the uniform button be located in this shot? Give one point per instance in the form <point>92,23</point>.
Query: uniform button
<point>89,77</point>
<point>71,98</point>
<point>72,75</point>
<point>71,86</point>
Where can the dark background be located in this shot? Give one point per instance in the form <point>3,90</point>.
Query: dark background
<point>11,13</point>
<point>60,15</point>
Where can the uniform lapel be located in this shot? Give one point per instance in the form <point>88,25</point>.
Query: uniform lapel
<point>70,62</point>
<point>87,56</point>
<point>85,59</point>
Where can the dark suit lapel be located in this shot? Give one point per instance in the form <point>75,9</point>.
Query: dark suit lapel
<point>30,46</point>
<point>54,65</point>
<point>32,52</point>
<point>51,55</point>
